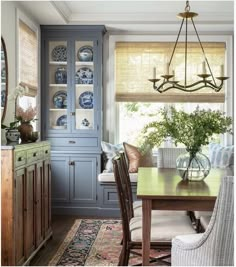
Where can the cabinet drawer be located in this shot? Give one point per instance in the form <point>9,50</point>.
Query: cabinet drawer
<point>78,142</point>
<point>20,158</point>
<point>33,155</point>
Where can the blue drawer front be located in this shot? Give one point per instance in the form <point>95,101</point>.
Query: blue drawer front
<point>82,142</point>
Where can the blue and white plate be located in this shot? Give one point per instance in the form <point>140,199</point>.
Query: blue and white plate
<point>85,53</point>
<point>60,99</point>
<point>84,76</point>
<point>86,100</point>
<point>59,53</point>
<point>62,121</point>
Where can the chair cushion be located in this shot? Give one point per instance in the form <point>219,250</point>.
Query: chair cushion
<point>198,214</point>
<point>136,159</point>
<point>163,228</point>
<point>109,151</point>
<point>109,177</point>
<point>204,220</point>
<point>137,206</point>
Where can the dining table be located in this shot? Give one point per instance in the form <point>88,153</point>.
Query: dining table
<point>164,189</point>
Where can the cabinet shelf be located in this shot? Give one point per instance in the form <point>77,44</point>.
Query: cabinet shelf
<point>57,109</point>
<point>81,63</point>
<point>57,63</point>
<point>57,85</point>
<point>85,109</point>
<point>84,85</point>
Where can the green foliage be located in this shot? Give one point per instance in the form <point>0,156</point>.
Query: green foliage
<point>12,125</point>
<point>191,129</point>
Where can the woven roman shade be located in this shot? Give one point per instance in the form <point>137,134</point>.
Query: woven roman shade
<point>134,63</point>
<point>28,58</point>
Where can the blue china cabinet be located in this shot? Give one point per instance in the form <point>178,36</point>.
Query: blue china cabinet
<point>71,102</point>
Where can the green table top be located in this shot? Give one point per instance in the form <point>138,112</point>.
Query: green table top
<point>166,183</point>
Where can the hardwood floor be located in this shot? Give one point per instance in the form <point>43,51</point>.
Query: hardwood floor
<point>60,227</point>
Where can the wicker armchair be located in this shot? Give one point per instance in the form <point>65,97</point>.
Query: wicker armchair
<point>215,247</point>
<point>167,156</point>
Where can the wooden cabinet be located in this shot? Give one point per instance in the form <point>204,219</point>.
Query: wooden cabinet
<point>20,177</point>
<point>26,201</point>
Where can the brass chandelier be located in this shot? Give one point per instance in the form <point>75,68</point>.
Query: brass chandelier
<point>169,81</point>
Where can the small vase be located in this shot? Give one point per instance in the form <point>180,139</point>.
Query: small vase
<point>193,166</point>
<point>12,136</point>
<point>61,76</point>
<point>25,130</point>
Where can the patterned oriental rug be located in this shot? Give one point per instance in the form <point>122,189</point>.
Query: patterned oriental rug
<point>94,243</point>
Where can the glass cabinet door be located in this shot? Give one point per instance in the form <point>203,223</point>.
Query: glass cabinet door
<point>84,86</point>
<point>57,85</point>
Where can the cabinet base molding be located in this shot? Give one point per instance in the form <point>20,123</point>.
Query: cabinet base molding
<point>27,263</point>
<point>91,212</point>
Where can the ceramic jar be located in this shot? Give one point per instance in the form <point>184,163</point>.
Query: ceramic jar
<point>61,76</point>
<point>12,136</point>
<point>25,130</point>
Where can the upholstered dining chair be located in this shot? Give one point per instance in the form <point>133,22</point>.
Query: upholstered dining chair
<point>166,156</point>
<point>214,247</point>
<point>221,157</point>
<point>136,206</point>
<point>163,228</point>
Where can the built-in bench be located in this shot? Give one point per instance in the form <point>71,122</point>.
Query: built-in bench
<point>109,202</point>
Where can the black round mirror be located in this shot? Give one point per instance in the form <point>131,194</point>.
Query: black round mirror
<point>4,79</point>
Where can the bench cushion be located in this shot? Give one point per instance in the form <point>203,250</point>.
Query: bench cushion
<point>109,177</point>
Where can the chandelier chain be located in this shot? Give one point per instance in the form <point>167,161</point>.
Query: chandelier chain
<point>203,51</point>
<point>187,8</point>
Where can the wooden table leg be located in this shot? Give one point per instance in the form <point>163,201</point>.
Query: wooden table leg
<point>147,208</point>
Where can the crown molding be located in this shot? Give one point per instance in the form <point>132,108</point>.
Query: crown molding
<point>62,9</point>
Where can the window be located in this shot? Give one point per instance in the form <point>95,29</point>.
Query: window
<point>28,61</point>
<point>133,116</point>
<point>28,58</point>
<point>134,63</point>
<point>138,103</point>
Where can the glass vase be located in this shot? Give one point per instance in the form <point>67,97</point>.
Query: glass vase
<point>193,166</point>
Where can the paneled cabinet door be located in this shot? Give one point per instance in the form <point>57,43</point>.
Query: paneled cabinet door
<point>38,204</point>
<point>60,178</point>
<point>19,216</point>
<point>29,227</point>
<point>47,196</point>
<point>83,179</point>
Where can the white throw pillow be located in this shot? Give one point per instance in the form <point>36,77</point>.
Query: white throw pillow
<point>109,151</point>
<point>221,157</point>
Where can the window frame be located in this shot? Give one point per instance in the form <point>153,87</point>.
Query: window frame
<point>111,117</point>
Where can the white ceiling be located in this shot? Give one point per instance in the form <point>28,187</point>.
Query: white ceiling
<point>132,15</point>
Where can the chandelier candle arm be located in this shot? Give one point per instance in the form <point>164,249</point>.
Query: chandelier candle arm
<point>167,83</point>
